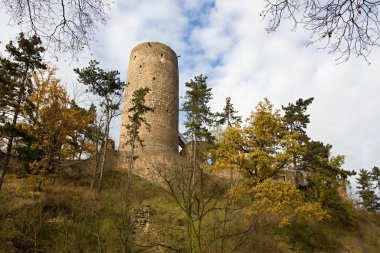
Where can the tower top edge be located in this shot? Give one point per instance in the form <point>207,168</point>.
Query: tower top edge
<point>152,44</point>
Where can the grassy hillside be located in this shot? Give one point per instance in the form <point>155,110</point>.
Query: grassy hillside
<point>67,217</point>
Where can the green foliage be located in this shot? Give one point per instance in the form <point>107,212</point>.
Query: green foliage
<point>295,118</point>
<point>197,111</point>
<point>16,86</point>
<point>324,189</point>
<point>16,72</point>
<point>228,115</point>
<point>369,200</point>
<point>106,85</point>
<point>109,88</point>
<point>136,117</point>
<point>375,173</point>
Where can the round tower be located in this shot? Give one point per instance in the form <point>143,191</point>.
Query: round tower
<point>153,65</point>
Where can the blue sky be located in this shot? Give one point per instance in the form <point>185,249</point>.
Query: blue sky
<point>226,40</point>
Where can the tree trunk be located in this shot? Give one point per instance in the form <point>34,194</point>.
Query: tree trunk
<point>4,167</point>
<point>104,153</point>
<point>97,155</point>
<point>130,167</point>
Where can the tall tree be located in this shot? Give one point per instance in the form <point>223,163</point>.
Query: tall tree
<point>136,118</point>
<point>198,121</point>
<point>347,28</point>
<point>109,88</point>
<point>366,192</point>
<point>228,115</point>
<point>198,113</point>
<point>296,121</point>
<point>15,78</point>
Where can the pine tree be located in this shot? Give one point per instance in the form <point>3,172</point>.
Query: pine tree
<point>366,192</point>
<point>108,87</point>
<point>376,176</point>
<point>198,114</point>
<point>15,80</point>
<point>228,115</point>
<point>296,120</point>
<point>295,116</point>
<point>136,118</point>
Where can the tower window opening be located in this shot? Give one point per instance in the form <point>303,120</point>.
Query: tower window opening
<point>154,78</point>
<point>134,58</point>
<point>140,66</point>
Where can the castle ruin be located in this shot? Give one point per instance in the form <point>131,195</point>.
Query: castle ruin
<point>153,65</point>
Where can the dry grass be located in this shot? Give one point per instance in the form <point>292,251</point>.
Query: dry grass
<point>67,217</point>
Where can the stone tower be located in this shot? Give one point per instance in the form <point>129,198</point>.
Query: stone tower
<point>154,65</point>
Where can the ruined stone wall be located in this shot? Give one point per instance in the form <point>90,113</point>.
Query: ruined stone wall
<point>154,65</point>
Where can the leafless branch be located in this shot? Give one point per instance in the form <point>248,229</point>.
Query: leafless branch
<point>64,25</point>
<point>343,27</point>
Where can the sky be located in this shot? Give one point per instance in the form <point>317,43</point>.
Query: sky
<point>227,42</point>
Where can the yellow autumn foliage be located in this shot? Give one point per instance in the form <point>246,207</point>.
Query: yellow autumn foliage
<point>260,149</point>
<point>284,202</point>
<point>55,123</point>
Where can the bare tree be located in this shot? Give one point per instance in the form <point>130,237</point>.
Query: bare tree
<point>64,26</point>
<point>344,27</point>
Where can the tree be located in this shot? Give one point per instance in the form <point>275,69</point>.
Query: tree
<point>347,28</point>
<point>67,25</point>
<point>84,140</point>
<point>282,201</point>
<point>198,113</point>
<point>376,176</point>
<point>259,150</point>
<point>312,163</point>
<point>296,120</point>
<point>228,115</point>
<point>55,122</point>
<point>136,119</point>
<point>327,181</point>
<point>366,192</point>
<point>108,87</point>
<point>15,79</point>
